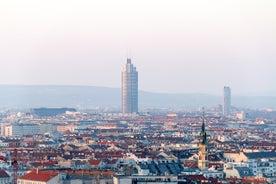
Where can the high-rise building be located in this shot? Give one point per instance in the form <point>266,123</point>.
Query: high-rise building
<point>129,88</point>
<point>226,107</point>
<point>203,163</point>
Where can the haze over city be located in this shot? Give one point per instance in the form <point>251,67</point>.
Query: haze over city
<point>191,46</point>
<point>135,92</point>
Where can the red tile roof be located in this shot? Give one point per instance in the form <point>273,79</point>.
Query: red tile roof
<point>39,176</point>
<point>94,162</point>
<point>191,163</point>
<point>196,177</point>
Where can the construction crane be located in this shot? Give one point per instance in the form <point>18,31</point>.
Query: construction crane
<point>15,166</point>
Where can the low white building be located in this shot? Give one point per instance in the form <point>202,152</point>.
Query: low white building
<point>213,174</point>
<point>260,163</point>
<point>263,167</point>
<point>237,170</point>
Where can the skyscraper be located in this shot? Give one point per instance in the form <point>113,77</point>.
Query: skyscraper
<point>226,109</point>
<point>129,88</point>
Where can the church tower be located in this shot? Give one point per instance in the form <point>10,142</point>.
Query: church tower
<point>203,162</point>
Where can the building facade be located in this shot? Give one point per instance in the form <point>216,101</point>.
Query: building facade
<point>129,88</point>
<point>25,129</point>
<point>226,107</point>
<point>6,129</point>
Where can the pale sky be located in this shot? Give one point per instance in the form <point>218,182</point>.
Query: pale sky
<point>178,46</point>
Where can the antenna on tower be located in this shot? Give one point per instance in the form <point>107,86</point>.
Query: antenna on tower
<point>128,56</point>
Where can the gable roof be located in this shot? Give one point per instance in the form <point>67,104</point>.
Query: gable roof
<point>3,174</point>
<point>244,171</point>
<point>259,155</point>
<point>39,176</point>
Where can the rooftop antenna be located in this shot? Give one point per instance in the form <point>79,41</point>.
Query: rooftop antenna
<point>128,56</point>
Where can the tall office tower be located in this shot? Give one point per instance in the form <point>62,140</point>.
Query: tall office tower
<point>129,88</point>
<point>226,109</point>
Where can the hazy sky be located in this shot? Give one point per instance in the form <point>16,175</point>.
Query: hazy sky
<point>176,45</point>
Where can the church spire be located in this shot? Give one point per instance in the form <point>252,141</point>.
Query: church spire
<point>203,163</point>
<point>203,135</point>
<point>203,122</point>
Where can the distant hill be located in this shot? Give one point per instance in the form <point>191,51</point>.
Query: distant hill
<point>21,96</point>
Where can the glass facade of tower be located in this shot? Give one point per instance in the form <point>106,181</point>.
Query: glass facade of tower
<point>129,88</point>
<point>226,101</point>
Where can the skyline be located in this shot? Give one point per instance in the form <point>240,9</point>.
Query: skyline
<point>192,46</point>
